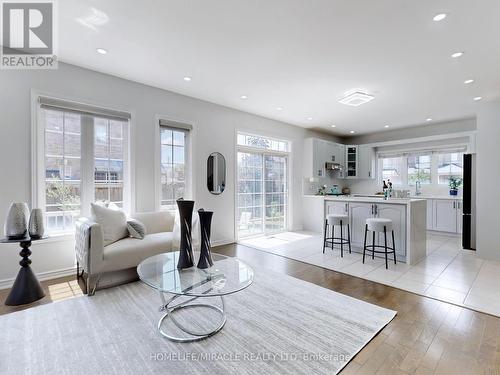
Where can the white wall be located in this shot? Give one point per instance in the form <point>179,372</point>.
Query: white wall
<point>428,130</point>
<point>488,181</point>
<point>214,130</point>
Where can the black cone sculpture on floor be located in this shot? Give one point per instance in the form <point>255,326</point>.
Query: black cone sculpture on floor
<point>205,252</point>
<point>186,259</point>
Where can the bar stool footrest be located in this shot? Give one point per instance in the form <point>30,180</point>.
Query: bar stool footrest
<point>370,248</point>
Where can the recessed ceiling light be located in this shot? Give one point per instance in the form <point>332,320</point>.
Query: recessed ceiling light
<point>457,54</point>
<point>439,17</point>
<point>187,78</point>
<point>477,98</point>
<point>279,108</point>
<point>386,126</point>
<point>243,97</point>
<point>428,120</point>
<point>468,81</point>
<point>102,51</point>
<point>309,119</point>
<point>356,98</point>
<point>333,126</point>
<point>352,131</point>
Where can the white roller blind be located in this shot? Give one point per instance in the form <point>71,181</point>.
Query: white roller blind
<point>67,106</point>
<point>418,152</point>
<point>176,125</point>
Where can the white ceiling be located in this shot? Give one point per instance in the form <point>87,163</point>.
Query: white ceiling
<point>301,55</point>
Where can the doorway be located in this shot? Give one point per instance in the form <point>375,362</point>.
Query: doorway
<point>261,192</point>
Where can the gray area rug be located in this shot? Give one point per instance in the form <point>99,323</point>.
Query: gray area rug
<point>278,325</point>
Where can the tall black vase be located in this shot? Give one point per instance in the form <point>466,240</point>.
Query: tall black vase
<point>186,258</point>
<point>205,252</point>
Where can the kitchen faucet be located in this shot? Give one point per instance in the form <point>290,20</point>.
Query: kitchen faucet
<point>418,185</point>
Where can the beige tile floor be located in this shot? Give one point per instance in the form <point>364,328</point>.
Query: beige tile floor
<point>448,273</point>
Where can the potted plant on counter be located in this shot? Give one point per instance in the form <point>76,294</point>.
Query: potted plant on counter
<point>455,183</point>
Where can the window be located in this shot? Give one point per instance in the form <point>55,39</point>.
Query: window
<point>432,167</point>
<point>449,165</point>
<point>83,158</point>
<point>419,169</point>
<point>265,143</point>
<point>62,169</point>
<point>173,160</point>
<point>392,169</point>
<point>108,163</point>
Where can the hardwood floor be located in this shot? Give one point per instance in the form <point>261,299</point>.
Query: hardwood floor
<point>426,337</point>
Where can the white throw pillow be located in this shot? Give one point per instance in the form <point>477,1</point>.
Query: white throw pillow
<point>112,222</point>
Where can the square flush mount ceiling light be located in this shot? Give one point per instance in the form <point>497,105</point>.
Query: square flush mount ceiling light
<point>356,98</point>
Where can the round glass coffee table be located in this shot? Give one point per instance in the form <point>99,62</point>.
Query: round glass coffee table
<point>196,288</point>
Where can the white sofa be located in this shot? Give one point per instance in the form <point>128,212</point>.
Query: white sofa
<point>116,263</point>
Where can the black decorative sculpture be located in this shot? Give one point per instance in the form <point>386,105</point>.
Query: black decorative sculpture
<point>205,225</point>
<point>186,258</point>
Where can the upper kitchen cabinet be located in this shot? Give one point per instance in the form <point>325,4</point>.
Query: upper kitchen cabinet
<point>338,153</point>
<point>366,161</point>
<point>317,152</point>
<point>314,154</point>
<point>351,161</point>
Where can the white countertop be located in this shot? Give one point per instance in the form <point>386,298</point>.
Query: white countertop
<point>377,198</point>
<point>447,197</point>
<point>374,199</point>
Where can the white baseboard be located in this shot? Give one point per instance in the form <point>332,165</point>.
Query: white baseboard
<point>222,242</point>
<point>7,283</point>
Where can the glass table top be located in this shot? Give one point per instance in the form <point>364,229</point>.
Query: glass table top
<point>228,275</point>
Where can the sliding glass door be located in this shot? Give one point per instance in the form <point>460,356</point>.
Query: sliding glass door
<point>262,193</point>
<point>276,193</point>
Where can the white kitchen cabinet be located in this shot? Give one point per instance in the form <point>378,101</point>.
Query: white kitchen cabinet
<point>338,152</point>
<point>445,215</point>
<point>338,156</point>
<point>317,152</point>
<point>366,162</point>
<point>339,208</point>
<point>314,157</point>
<point>430,209</point>
<point>358,213</point>
<point>397,213</point>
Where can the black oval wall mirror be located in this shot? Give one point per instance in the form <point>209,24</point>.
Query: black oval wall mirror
<point>216,173</point>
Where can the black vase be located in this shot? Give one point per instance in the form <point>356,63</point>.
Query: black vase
<point>186,259</point>
<point>205,252</point>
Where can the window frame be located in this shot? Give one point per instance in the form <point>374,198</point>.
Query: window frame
<point>434,164</point>
<point>451,162</point>
<point>87,184</point>
<point>187,129</point>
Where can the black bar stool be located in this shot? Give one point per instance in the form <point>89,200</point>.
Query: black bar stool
<point>331,221</point>
<point>379,225</point>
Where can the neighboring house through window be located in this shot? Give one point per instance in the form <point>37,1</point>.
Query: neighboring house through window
<point>174,160</point>
<point>82,156</point>
<point>431,167</point>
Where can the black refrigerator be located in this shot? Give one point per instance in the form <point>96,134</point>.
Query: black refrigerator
<point>469,203</point>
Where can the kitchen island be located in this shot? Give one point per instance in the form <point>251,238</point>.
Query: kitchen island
<point>409,217</point>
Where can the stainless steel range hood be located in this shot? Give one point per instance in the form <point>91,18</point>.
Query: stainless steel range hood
<point>329,166</point>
